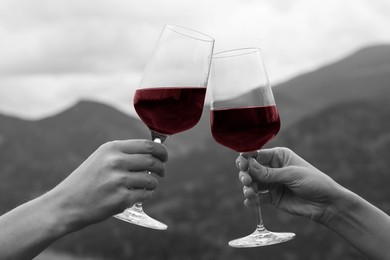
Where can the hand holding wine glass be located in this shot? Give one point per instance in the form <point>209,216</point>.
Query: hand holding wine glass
<point>299,188</point>
<point>244,117</point>
<point>295,185</point>
<point>171,95</point>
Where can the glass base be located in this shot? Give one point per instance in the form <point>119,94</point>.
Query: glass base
<point>261,238</point>
<point>139,217</point>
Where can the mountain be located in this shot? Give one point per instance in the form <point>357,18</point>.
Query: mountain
<point>64,140</point>
<point>351,142</point>
<point>344,134</point>
<point>364,75</point>
<point>201,201</point>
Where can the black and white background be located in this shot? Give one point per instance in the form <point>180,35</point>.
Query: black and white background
<point>68,72</point>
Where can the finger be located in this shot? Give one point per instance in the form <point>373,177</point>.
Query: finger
<point>245,178</point>
<point>253,201</point>
<point>271,157</point>
<point>249,193</point>
<point>143,162</point>
<point>250,203</point>
<point>242,163</point>
<point>268,175</point>
<point>139,180</point>
<point>139,195</point>
<point>142,146</point>
<point>279,157</point>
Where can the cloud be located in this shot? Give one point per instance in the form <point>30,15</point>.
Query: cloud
<point>45,36</point>
<point>78,49</point>
<point>302,35</point>
<point>68,43</point>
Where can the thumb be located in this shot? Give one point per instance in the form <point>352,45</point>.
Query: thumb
<point>266,174</point>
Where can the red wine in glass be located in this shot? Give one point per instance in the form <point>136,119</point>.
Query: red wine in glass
<point>170,110</point>
<point>245,129</point>
<point>244,117</point>
<point>171,94</point>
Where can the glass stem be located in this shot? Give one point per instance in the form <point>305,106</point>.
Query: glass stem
<point>259,219</point>
<point>138,206</point>
<point>257,188</point>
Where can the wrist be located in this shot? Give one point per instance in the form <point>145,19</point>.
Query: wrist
<point>58,216</point>
<point>29,228</point>
<point>342,214</point>
<point>52,216</point>
<point>358,221</point>
<point>339,211</point>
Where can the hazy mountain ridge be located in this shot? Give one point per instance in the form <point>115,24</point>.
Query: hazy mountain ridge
<point>64,140</point>
<point>363,75</point>
<point>348,141</point>
<point>200,198</point>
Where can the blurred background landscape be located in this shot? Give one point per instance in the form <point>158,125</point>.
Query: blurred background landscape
<point>68,72</point>
<point>335,117</point>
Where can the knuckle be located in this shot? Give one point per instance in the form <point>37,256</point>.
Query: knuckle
<point>149,146</point>
<point>155,183</point>
<point>283,152</point>
<point>278,151</point>
<point>113,161</point>
<point>151,162</point>
<point>110,146</point>
<point>146,194</point>
<point>267,174</point>
<point>104,147</point>
<point>151,182</point>
<point>283,156</point>
<point>122,180</point>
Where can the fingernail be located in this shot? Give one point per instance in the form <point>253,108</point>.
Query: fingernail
<point>242,179</point>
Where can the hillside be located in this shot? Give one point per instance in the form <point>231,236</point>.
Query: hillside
<point>201,201</point>
<point>364,75</point>
<point>64,140</point>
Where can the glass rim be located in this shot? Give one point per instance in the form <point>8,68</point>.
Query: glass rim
<point>236,52</point>
<point>185,31</point>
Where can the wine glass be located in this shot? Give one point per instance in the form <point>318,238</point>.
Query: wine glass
<point>244,117</point>
<point>171,95</point>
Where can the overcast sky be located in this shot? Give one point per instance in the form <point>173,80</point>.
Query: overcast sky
<point>55,52</point>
